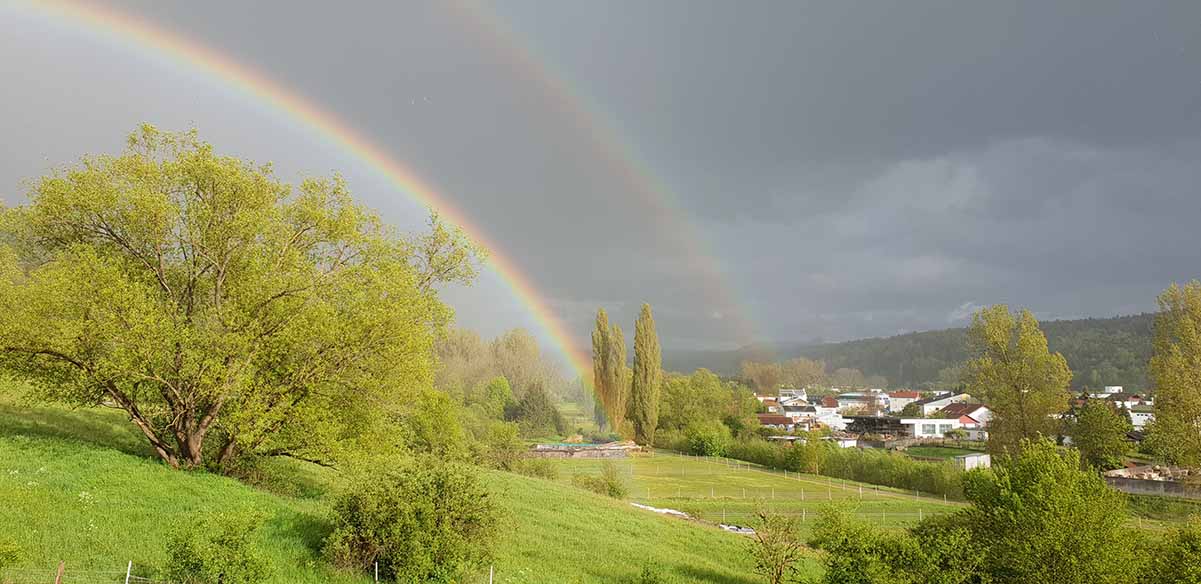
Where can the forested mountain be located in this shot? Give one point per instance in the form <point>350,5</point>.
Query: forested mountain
<point>1100,351</point>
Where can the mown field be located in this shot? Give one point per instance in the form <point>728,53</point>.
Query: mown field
<point>80,487</point>
<point>722,490</point>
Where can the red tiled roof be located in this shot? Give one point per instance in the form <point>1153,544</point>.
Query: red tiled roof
<point>906,394</point>
<point>829,402</point>
<point>774,420</point>
<point>959,409</point>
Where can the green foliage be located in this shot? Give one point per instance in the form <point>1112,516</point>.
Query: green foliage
<point>1176,370</point>
<point>496,397</point>
<point>937,551</point>
<point>541,468</point>
<point>1012,370</point>
<point>500,446</point>
<point>609,372</point>
<point>691,399</point>
<point>1101,351</point>
<point>1036,518</point>
<point>609,483</point>
<point>708,439</point>
<point>859,553</point>
<point>216,304</point>
<point>1043,519</point>
<point>1176,559</point>
<point>217,548</point>
<point>1098,431</point>
<point>434,426</point>
<point>776,546</point>
<point>426,521</point>
<point>647,378</point>
<point>536,413</point>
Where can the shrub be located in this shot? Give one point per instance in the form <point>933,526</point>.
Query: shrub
<point>217,548</point>
<point>708,439</point>
<point>539,468</point>
<point>500,447</point>
<point>424,521</point>
<point>609,483</point>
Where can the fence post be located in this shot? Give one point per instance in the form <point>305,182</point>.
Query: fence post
<point>919,514</point>
<point>58,577</point>
<point>802,493</point>
<point>802,515</point>
<point>128,571</point>
<point>377,571</point>
<point>490,574</point>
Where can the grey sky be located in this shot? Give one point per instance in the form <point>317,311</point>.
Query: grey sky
<point>852,168</point>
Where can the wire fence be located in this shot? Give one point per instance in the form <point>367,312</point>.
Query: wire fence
<point>64,574</point>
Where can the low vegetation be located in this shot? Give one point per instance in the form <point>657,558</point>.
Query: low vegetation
<point>87,491</point>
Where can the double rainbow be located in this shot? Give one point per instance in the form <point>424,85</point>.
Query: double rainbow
<point>130,31</point>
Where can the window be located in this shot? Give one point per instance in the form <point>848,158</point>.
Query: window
<point>944,428</point>
<point>927,429</point>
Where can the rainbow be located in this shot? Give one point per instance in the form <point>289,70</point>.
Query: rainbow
<point>602,131</point>
<point>140,35</point>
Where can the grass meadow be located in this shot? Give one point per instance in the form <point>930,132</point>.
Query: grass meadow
<point>80,487</point>
<point>726,491</point>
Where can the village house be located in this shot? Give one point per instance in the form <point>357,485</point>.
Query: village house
<point>973,418</point>
<point>933,404</point>
<point>777,421</point>
<point>897,400</point>
<point>863,400</point>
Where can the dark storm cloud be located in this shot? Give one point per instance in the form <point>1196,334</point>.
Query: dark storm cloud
<point>858,168</point>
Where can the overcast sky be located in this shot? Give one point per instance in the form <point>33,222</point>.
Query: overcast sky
<point>754,170</point>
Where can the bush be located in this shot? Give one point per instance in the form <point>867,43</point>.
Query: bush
<point>424,521</point>
<point>541,468</point>
<point>500,447</point>
<point>217,548</point>
<point>708,439</point>
<point>609,482</point>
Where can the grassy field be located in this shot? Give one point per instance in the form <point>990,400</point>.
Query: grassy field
<point>79,487</point>
<point>722,490</point>
<point>937,451</point>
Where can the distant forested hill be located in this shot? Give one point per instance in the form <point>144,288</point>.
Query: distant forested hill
<point>1100,351</point>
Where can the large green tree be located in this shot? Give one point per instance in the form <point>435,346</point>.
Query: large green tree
<point>224,311</point>
<point>1176,370</point>
<point>648,378</point>
<point>1023,383</point>
<point>609,370</point>
<point>1099,431</point>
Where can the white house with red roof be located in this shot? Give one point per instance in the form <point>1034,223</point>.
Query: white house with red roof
<point>972,417</point>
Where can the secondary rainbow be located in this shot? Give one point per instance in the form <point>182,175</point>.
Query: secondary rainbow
<point>139,34</point>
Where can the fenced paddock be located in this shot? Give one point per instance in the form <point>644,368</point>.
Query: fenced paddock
<point>723,490</point>
<point>62,573</point>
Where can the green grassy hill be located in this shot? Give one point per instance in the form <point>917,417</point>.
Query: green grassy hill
<point>1100,351</point>
<point>80,487</point>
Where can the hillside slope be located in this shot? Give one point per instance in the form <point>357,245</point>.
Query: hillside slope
<point>77,487</point>
<point>1100,351</point>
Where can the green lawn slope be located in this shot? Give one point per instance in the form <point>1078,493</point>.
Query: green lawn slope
<point>79,486</point>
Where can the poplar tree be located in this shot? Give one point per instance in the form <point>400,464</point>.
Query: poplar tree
<point>609,370</point>
<point>1021,380</point>
<point>648,377</point>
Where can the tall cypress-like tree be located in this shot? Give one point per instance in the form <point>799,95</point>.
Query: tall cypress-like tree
<point>619,380</point>
<point>609,370</point>
<point>648,377</point>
